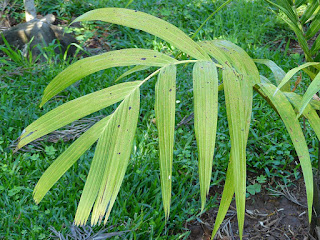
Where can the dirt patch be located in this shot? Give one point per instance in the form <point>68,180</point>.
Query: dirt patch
<point>272,214</point>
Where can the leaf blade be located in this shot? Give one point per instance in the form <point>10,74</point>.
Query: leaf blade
<point>293,71</point>
<point>89,65</point>
<point>165,99</point>
<point>313,88</point>
<point>74,110</point>
<point>117,142</point>
<point>288,116</point>
<point>205,90</point>
<point>235,104</point>
<point>150,24</point>
<point>67,159</point>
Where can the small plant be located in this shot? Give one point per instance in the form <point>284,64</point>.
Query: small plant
<point>253,189</point>
<point>261,179</point>
<point>215,62</point>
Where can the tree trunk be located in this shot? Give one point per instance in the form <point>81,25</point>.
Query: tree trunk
<point>30,9</point>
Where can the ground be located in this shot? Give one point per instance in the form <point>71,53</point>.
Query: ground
<point>270,215</point>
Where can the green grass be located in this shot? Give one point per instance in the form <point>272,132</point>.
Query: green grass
<point>138,207</point>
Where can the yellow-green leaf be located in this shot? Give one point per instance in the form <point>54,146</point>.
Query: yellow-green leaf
<point>74,110</point>
<point>292,72</point>
<point>110,162</point>
<point>227,194</point>
<point>67,159</point>
<point>131,71</point>
<point>235,105</point>
<point>205,92</point>
<point>313,88</point>
<point>288,116</point>
<point>150,24</point>
<point>118,139</point>
<point>165,94</point>
<point>309,112</point>
<point>87,66</point>
<point>277,71</point>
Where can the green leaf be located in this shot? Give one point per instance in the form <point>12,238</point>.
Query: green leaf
<point>308,113</point>
<point>205,91</point>
<point>87,66</point>
<point>236,114</point>
<point>313,88</point>
<point>110,162</point>
<point>242,78</point>
<point>292,72</point>
<point>137,68</point>
<point>67,159</point>
<point>76,109</point>
<point>314,27</point>
<point>288,116</point>
<point>291,18</point>
<point>278,72</point>
<point>286,8</point>
<point>224,51</point>
<point>316,46</point>
<point>165,94</point>
<point>149,24</point>
<point>226,198</point>
<point>310,10</point>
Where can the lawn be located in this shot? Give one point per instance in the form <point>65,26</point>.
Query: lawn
<point>138,208</point>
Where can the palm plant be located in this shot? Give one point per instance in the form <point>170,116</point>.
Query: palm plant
<point>114,134</point>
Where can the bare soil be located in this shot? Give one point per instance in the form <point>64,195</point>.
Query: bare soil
<point>271,214</point>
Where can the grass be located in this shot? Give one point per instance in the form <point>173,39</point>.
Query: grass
<point>138,207</point>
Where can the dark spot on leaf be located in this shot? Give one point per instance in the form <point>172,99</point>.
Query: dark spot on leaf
<point>154,56</point>
<point>143,58</point>
<point>129,108</point>
<point>170,90</point>
<point>202,67</point>
<point>135,11</point>
<point>118,126</point>
<point>119,153</point>
<point>111,93</point>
